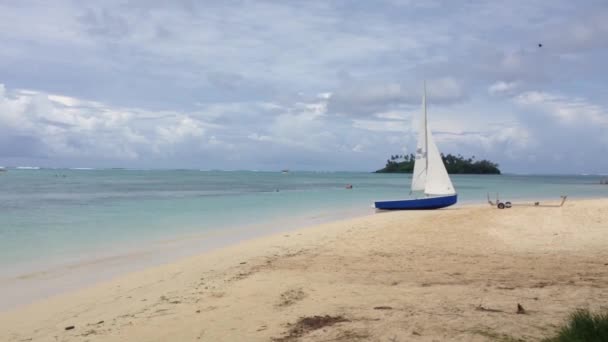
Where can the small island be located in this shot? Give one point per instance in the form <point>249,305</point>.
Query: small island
<point>454,164</point>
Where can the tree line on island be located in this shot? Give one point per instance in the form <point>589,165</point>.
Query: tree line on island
<point>454,164</point>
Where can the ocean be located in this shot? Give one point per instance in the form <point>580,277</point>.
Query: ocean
<point>69,219</point>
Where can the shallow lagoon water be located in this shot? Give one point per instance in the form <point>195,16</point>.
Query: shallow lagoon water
<point>51,214</point>
<point>84,225</point>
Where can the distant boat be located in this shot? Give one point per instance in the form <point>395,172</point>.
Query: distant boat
<point>2,169</point>
<point>430,175</point>
<point>285,171</point>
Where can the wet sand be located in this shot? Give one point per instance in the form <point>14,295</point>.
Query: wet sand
<point>454,274</point>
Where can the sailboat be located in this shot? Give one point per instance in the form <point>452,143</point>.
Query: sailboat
<point>429,175</point>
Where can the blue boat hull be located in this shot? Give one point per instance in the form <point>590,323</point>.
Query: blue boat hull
<point>418,204</point>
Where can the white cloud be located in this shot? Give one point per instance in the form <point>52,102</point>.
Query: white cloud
<point>71,127</point>
<point>180,129</point>
<point>324,96</point>
<point>580,34</point>
<point>445,90</point>
<point>393,115</point>
<point>381,126</point>
<point>512,140</point>
<point>70,101</point>
<point>258,137</point>
<point>566,109</point>
<point>366,99</point>
<point>503,88</point>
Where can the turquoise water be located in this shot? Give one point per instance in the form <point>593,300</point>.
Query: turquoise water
<point>58,215</point>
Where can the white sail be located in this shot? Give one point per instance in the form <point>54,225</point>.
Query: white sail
<point>420,164</point>
<point>437,179</point>
<point>429,173</point>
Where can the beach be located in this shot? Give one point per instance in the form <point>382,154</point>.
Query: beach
<point>454,274</point>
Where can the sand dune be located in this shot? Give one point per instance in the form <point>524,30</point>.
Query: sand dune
<point>456,274</point>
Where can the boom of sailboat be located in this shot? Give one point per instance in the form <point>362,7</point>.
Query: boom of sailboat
<point>429,176</point>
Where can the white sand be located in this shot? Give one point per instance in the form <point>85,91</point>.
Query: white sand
<point>454,274</point>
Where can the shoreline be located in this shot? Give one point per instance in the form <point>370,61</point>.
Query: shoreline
<point>24,287</point>
<point>435,267</point>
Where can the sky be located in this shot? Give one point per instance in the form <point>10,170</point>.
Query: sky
<point>302,85</point>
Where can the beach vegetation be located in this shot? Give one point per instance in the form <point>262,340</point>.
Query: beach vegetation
<point>583,326</point>
<point>455,164</point>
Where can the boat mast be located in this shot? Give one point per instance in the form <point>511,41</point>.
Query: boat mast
<point>426,131</point>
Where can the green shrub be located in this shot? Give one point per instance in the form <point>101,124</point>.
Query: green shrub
<point>454,164</point>
<point>583,326</point>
